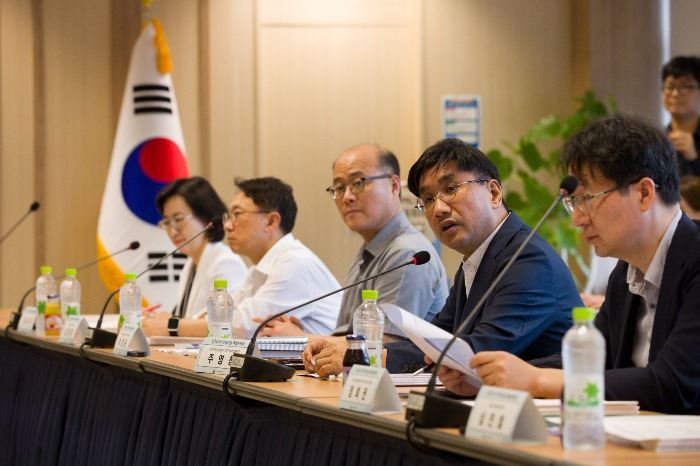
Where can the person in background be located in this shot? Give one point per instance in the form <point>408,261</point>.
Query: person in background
<point>366,189</point>
<point>627,206</point>
<point>681,97</point>
<point>285,272</point>
<point>187,206</point>
<point>690,196</point>
<point>460,194</point>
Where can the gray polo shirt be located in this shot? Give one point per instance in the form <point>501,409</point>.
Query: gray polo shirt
<point>420,289</point>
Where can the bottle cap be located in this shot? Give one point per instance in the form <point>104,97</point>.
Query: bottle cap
<point>370,294</point>
<point>130,277</point>
<point>46,270</point>
<point>583,314</point>
<point>354,337</point>
<point>220,284</point>
<point>71,272</point>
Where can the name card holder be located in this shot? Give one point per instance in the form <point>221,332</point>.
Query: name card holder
<point>217,354</point>
<point>369,390</point>
<point>27,321</point>
<point>506,415</point>
<point>131,341</point>
<point>74,330</point>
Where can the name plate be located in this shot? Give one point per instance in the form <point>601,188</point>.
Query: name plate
<point>506,415</point>
<point>74,330</point>
<point>369,390</point>
<point>217,354</point>
<point>28,319</point>
<point>131,341</point>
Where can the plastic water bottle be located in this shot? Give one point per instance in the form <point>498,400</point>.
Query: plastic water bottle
<point>583,358</point>
<point>70,295</point>
<point>368,321</point>
<point>356,353</point>
<point>45,286</point>
<point>220,311</point>
<point>130,301</point>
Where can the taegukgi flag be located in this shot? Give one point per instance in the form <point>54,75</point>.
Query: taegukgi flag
<point>148,153</point>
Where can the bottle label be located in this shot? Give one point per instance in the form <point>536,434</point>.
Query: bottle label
<point>41,307</point>
<point>374,351</point>
<point>52,319</point>
<point>220,330</point>
<point>583,398</point>
<point>70,309</point>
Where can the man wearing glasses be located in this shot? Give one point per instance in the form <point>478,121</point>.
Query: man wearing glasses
<point>259,226</point>
<point>627,206</point>
<point>459,191</point>
<point>366,190</point>
<point>460,194</point>
<point>681,97</point>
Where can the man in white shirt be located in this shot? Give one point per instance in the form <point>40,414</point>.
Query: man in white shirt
<point>285,272</point>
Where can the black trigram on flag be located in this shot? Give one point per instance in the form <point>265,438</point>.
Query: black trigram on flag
<point>167,271</point>
<point>152,98</point>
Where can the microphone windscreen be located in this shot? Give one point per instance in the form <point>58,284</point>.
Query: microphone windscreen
<point>421,257</point>
<point>134,245</point>
<point>35,205</point>
<point>569,185</point>
<point>216,222</point>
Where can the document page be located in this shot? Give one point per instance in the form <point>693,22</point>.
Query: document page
<point>432,341</point>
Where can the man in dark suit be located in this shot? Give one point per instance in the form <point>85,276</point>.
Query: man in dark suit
<point>627,205</point>
<point>460,193</point>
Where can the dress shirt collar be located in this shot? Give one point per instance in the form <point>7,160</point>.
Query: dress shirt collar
<point>471,264</point>
<point>268,260</point>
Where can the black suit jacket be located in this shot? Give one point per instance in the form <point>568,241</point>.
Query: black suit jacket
<point>670,383</point>
<point>528,312</point>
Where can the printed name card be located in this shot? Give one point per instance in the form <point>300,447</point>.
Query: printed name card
<point>27,321</point>
<point>131,341</point>
<point>216,355</point>
<point>506,415</point>
<point>369,390</point>
<point>74,330</point>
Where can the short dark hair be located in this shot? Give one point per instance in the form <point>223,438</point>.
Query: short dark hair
<point>690,191</point>
<point>468,158</point>
<point>202,199</point>
<point>625,148</point>
<point>271,194</point>
<point>682,66</point>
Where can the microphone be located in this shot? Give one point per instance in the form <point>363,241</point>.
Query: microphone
<point>16,316</point>
<point>34,207</point>
<point>431,410</point>
<point>255,369</point>
<point>98,338</point>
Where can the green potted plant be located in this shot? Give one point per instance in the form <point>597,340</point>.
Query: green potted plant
<point>530,170</point>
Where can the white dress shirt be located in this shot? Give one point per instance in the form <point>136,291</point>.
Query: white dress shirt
<point>289,274</point>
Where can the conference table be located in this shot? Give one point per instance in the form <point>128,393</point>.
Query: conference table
<point>61,405</point>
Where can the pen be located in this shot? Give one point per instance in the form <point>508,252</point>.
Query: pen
<point>426,369</point>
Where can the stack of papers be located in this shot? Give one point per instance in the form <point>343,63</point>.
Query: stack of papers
<point>659,433</point>
<point>612,408</point>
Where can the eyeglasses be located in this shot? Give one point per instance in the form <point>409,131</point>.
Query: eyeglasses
<point>232,217</point>
<point>583,201</point>
<point>682,89</point>
<point>356,186</point>
<point>427,202</point>
<point>176,222</point>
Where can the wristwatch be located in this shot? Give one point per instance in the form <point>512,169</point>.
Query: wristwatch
<point>173,326</point>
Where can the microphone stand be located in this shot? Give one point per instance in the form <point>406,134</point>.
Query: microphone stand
<point>254,369</point>
<point>35,206</point>
<point>99,338</point>
<point>427,409</point>
<point>16,316</point>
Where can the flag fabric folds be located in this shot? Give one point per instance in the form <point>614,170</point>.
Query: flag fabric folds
<point>148,153</point>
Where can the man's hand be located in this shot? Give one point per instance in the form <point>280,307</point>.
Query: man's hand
<point>454,381</point>
<point>683,142</point>
<point>284,326</point>
<point>323,357</point>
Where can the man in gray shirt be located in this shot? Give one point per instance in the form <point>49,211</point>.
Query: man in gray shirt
<point>367,192</point>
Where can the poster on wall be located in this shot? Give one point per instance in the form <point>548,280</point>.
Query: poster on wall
<point>461,118</point>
